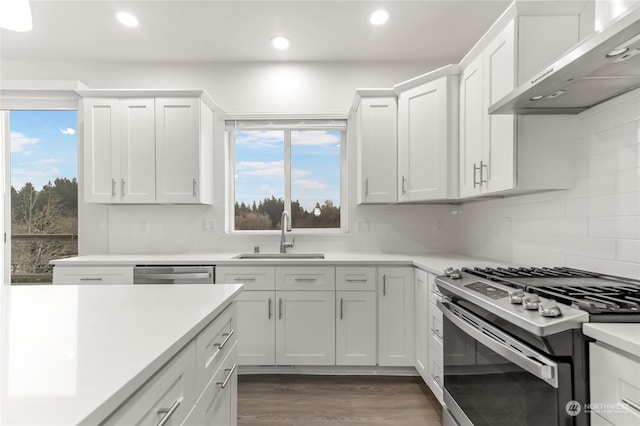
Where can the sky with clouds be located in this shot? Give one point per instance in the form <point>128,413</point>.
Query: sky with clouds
<point>315,162</point>
<point>44,146</point>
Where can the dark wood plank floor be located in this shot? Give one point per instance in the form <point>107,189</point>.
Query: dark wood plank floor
<point>270,400</point>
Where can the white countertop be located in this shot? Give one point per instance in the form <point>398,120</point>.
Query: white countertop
<point>625,337</point>
<point>72,354</point>
<point>435,263</point>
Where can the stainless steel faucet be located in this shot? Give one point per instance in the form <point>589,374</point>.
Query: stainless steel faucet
<point>284,244</point>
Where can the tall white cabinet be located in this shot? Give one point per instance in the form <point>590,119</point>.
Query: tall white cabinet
<point>376,139</point>
<point>148,147</point>
<point>396,321</point>
<point>428,136</point>
<point>504,153</point>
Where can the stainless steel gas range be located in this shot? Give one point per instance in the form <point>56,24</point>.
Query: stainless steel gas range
<point>514,352</point>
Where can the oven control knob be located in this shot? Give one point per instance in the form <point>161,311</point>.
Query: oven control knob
<point>456,274</point>
<point>530,301</point>
<point>447,272</point>
<point>549,309</point>
<point>516,296</point>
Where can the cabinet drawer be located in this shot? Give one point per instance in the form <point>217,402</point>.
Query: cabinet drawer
<point>174,385</point>
<point>93,275</point>
<point>356,279</point>
<point>435,326</point>
<point>615,385</point>
<point>253,278</point>
<point>434,293</point>
<point>436,376</point>
<point>304,278</point>
<point>213,344</point>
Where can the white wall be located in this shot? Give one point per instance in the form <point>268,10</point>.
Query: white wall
<point>596,225</point>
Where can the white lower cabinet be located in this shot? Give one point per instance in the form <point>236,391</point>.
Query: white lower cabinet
<point>305,328</point>
<point>422,323</point>
<point>396,321</point>
<point>76,275</point>
<point>198,386</point>
<point>256,328</point>
<point>355,328</point>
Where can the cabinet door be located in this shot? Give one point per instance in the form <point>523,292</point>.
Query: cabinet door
<point>498,166</point>
<point>355,328</point>
<point>377,145</point>
<point>423,142</point>
<point>256,328</point>
<point>101,149</point>
<point>137,151</point>
<point>471,123</point>
<point>396,337</point>
<point>305,328</point>
<point>177,150</point>
<point>422,323</point>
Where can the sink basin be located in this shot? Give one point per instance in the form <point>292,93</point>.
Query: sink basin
<point>280,256</point>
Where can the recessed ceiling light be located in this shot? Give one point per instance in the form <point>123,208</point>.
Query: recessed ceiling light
<point>280,42</point>
<point>379,17</point>
<point>126,18</point>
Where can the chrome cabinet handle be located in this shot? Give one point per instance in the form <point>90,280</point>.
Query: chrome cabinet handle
<point>486,167</point>
<point>404,181</point>
<point>226,339</point>
<point>437,380</point>
<point>122,187</point>
<point>280,308</point>
<point>91,279</point>
<point>437,333</point>
<point>194,187</point>
<point>475,169</point>
<point>244,279</point>
<point>113,187</point>
<point>384,285</point>
<point>305,279</point>
<point>269,310</point>
<point>356,280</point>
<point>341,308</point>
<point>225,382</point>
<point>366,187</point>
<point>168,412</point>
<point>179,276</point>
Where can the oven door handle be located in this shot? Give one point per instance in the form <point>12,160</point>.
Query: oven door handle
<point>501,343</point>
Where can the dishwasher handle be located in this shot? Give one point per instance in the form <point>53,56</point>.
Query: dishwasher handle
<point>178,275</point>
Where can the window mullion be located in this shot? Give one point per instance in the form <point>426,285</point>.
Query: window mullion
<point>287,172</point>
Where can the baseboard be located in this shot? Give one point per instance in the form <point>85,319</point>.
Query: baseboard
<point>331,370</point>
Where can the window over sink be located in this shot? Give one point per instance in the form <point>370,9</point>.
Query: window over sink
<point>292,165</point>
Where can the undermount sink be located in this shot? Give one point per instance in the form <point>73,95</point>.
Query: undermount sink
<point>280,256</point>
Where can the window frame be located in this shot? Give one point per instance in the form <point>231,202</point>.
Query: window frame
<point>280,123</point>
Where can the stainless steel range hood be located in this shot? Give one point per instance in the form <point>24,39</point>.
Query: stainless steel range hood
<point>588,74</point>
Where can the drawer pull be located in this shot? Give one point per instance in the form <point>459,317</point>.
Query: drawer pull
<point>224,383</point>
<point>279,308</point>
<point>91,279</point>
<point>269,310</point>
<point>631,404</point>
<point>341,304</point>
<point>356,280</point>
<point>245,279</point>
<point>384,285</point>
<point>226,339</point>
<point>168,412</point>
<point>437,333</point>
<point>437,380</point>
<point>305,279</point>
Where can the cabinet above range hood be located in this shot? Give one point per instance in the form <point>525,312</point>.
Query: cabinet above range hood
<point>604,65</point>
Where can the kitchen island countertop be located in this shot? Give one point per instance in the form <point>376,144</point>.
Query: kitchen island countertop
<point>73,354</point>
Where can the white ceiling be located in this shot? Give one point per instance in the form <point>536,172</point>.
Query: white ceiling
<point>212,30</point>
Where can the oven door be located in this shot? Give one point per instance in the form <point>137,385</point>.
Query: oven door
<point>493,379</point>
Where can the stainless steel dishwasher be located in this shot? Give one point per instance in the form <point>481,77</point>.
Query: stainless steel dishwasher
<point>156,274</point>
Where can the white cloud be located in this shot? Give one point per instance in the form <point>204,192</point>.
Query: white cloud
<point>257,138</point>
<point>44,161</point>
<point>310,184</point>
<point>298,173</point>
<point>19,141</point>
<point>68,131</point>
<point>315,138</point>
<point>260,168</point>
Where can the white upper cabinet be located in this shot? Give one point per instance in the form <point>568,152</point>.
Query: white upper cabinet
<point>143,150</point>
<point>504,153</point>
<point>376,116</point>
<point>427,140</point>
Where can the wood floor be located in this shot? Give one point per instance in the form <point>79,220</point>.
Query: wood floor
<point>270,400</point>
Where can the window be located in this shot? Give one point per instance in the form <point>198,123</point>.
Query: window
<point>43,191</point>
<point>286,165</point>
